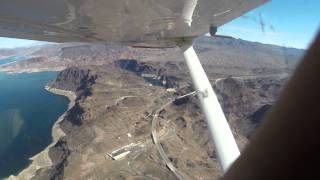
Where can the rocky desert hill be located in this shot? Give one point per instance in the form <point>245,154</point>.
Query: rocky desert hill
<point>119,90</point>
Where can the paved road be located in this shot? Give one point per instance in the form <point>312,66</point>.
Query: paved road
<point>159,147</point>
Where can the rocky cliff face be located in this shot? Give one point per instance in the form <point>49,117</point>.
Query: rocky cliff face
<point>58,154</point>
<point>78,80</point>
<point>156,74</point>
<point>245,100</point>
<point>75,79</point>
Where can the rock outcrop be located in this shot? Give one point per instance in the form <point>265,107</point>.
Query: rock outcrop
<point>246,100</point>
<point>156,74</point>
<point>75,79</point>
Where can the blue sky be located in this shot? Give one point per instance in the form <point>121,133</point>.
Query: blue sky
<point>292,23</point>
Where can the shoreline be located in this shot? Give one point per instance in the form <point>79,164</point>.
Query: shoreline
<point>42,159</point>
<point>30,70</point>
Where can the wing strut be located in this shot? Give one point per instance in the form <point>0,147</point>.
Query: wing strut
<point>221,134</point>
<point>220,131</point>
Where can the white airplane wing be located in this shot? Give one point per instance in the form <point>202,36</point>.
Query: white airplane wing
<point>113,20</point>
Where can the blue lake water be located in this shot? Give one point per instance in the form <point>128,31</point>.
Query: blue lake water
<point>27,114</point>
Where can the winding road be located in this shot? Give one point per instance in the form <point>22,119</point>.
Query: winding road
<point>155,122</point>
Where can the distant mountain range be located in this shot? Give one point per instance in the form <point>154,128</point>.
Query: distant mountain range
<point>222,54</point>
